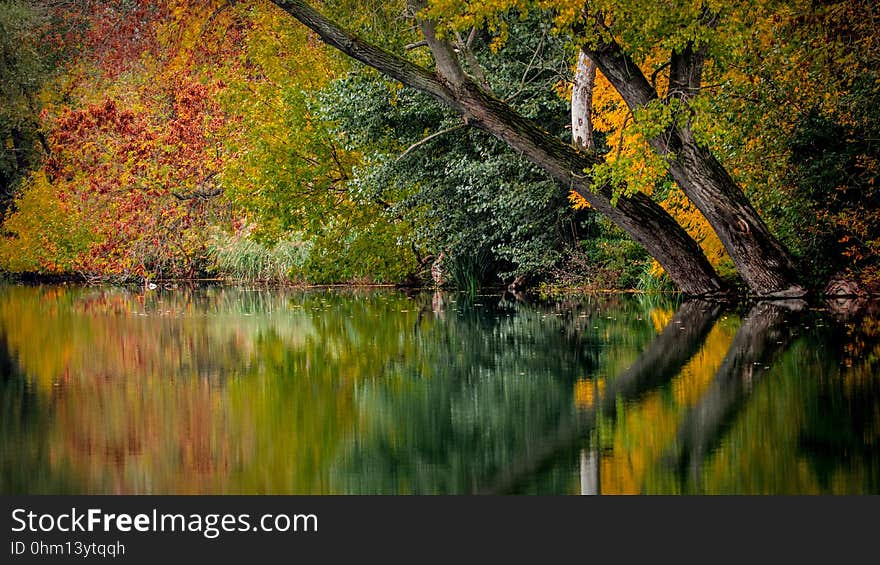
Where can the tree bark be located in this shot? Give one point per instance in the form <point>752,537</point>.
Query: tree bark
<point>763,263</point>
<point>582,104</point>
<point>639,216</point>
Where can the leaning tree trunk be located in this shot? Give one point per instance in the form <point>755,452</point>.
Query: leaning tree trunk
<point>643,219</point>
<point>763,263</point>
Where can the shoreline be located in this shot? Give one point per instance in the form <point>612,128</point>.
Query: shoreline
<point>538,291</point>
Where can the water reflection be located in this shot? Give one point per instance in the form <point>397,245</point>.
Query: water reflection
<point>761,338</point>
<point>222,390</point>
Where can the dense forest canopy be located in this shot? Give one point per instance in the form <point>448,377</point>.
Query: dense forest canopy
<point>697,145</point>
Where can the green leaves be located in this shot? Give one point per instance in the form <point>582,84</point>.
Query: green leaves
<point>491,212</point>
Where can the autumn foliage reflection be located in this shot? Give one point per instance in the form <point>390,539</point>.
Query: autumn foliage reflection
<point>242,391</point>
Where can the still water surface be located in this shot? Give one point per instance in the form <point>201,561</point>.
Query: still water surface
<point>225,390</point>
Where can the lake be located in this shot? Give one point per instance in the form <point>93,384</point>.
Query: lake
<point>241,390</point>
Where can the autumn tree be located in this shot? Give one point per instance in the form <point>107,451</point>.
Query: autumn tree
<point>290,176</point>
<point>619,37</point>
<point>637,214</point>
<point>791,110</point>
<point>760,259</point>
<point>129,184</point>
<point>180,129</point>
<point>703,131</point>
<point>40,43</point>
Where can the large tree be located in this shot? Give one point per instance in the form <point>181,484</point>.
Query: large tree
<point>764,264</point>
<point>643,219</point>
<point>761,260</point>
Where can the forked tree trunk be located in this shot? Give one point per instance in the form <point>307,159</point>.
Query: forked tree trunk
<point>639,216</point>
<point>763,263</point>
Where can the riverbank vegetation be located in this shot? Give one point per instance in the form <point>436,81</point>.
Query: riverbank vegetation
<point>704,147</point>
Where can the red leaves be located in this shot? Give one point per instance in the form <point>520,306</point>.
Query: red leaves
<point>142,165</point>
<point>125,171</point>
<point>120,32</point>
<point>74,125</point>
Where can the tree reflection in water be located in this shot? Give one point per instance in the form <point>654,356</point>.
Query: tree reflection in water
<point>241,390</point>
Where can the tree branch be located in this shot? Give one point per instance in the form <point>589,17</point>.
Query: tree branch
<point>638,215</point>
<point>416,45</point>
<point>388,63</point>
<point>686,71</point>
<point>471,60</point>
<point>445,57</point>
<point>198,194</point>
<point>623,73</point>
<point>656,72</point>
<point>421,142</point>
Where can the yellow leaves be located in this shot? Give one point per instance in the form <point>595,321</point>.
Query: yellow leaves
<point>610,112</point>
<point>693,221</point>
<point>499,40</point>
<point>565,12</point>
<point>458,15</point>
<point>630,164</point>
<point>191,24</point>
<point>44,235</point>
<point>394,90</point>
<point>578,202</point>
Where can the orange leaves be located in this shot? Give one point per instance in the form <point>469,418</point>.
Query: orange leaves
<point>690,218</point>
<point>140,177</point>
<point>137,139</point>
<point>578,202</point>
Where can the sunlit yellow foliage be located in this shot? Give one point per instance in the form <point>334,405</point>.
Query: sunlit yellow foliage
<point>44,234</point>
<point>693,221</point>
<point>578,202</point>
